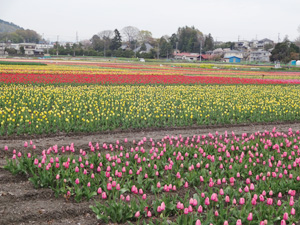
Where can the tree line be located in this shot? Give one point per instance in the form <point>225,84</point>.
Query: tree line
<point>132,42</point>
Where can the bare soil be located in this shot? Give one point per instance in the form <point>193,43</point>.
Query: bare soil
<point>21,203</point>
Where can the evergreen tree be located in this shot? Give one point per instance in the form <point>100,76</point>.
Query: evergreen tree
<point>143,47</point>
<point>116,41</point>
<point>209,43</point>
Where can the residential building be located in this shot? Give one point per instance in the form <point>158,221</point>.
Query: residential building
<point>28,48</point>
<point>231,53</point>
<point>2,49</point>
<point>187,56</point>
<point>259,56</point>
<point>148,48</point>
<point>233,59</point>
<point>261,44</point>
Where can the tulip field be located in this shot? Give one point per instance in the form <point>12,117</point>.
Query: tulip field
<point>216,178</point>
<point>208,179</point>
<point>83,98</point>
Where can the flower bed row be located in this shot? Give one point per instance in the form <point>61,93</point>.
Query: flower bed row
<point>39,109</point>
<point>208,179</point>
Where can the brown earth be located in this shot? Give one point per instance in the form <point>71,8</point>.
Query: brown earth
<point>21,204</point>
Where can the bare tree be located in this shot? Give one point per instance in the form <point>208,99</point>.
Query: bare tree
<point>106,34</point>
<point>297,40</point>
<point>145,36</point>
<point>130,33</point>
<point>86,44</point>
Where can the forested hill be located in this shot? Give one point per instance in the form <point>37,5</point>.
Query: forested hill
<point>7,27</point>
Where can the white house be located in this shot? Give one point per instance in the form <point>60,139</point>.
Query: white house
<point>232,53</point>
<point>28,48</point>
<point>261,44</point>
<point>186,56</point>
<point>259,56</point>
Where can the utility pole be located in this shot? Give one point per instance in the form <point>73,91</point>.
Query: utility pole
<point>200,50</point>
<point>135,49</point>
<point>158,52</point>
<point>278,37</point>
<point>76,37</point>
<point>57,45</point>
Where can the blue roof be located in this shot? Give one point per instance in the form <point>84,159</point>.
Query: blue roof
<point>229,57</point>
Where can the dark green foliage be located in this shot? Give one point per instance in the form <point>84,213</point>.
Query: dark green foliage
<point>285,52</point>
<point>116,41</point>
<point>21,63</point>
<point>189,39</point>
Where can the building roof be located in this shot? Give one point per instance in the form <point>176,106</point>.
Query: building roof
<point>228,57</point>
<point>266,40</point>
<point>188,54</point>
<point>148,48</point>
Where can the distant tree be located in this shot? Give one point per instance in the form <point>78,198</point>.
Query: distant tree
<point>165,46</point>
<point>285,52</point>
<point>208,43</point>
<point>268,47</point>
<point>106,34</point>
<point>116,41</point>
<point>29,35</point>
<point>226,45</point>
<point>22,50</point>
<point>189,39</point>
<point>145,36</point>
<point>173,40</point>
<point>143,47</point>
<point>11,51</point>
<point>97,44</point>
<point>297,41</point>
<point>130,34</point>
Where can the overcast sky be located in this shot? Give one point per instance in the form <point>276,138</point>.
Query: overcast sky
<point>226,20</point>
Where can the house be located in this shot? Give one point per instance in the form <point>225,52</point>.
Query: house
<point>148,48</point>
<point>187,56</point>
<point>259,56</point>
<point>38,52</point>
<point>218,51</point>
<point>242,44</point>
<point>28,48</point>
<point>233,59</point>
<point>261,44</point>
<point>2,49</point>
<point>125,47</point>
<point>206,57</point>
<point>235,53</point>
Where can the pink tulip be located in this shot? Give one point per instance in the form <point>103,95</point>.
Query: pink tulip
<point>198,222</point>
<point>242,201</point>
<point>286,216</point>
<point>104,196</point>
<point>239,222</point>
<point>250,217</point>
<point>149,214</point>
<point>269,201</point>
<point>144,196</point>
<point>283,222</point>
<point>186,211</point>
<point>206,202</point>
<point>77,181</point>
<point>200,209</point>
<point>293,211</point>
<point>137,214</point>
